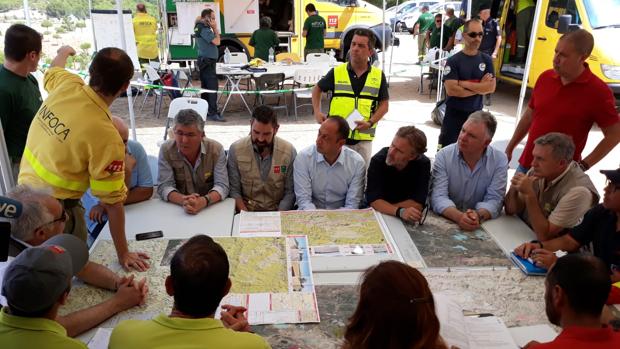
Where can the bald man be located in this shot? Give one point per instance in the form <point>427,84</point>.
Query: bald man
<point>138,177</point>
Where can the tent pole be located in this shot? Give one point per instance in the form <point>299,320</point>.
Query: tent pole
<point>528,62</point>
<point>132,117</point>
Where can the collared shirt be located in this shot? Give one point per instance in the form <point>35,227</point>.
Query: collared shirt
<point>357,82</point>
<point>456,185</point>
<point>204,41</point>
<point>571,109</point>
<point>167,183</point>
<point>491,32</point>
<point>165,332</point>
<point>321,185</point>
<point>23,332</point>
<point>575,337</point>
<point>264,164</point>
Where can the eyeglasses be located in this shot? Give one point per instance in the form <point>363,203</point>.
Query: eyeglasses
<point>62,218</point>
<point>474,34</point>
<point>438,21</point>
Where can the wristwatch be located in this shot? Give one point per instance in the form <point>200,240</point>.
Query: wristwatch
<point>207,199</point>
<point>399,212</point>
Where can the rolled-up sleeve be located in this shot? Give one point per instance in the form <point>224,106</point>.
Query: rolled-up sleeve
<point>303,183</point>
<point>494,196</point>
<point>288,200</point>
<point>355,193</point>
<point>440,199</point>
<point>234,177</point>
<point>145,177</point>
<point>165,178</point>
<point>220,176</point>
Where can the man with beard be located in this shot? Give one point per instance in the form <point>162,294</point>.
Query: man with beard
<point>192,167</point>
<point>260,166</point>
<point>575,292</point>
<point>398,176</point>
<point>468,75</point>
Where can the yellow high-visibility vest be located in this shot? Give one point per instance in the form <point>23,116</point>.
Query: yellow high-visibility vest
<point>344,101</point>
<point>145,30</point>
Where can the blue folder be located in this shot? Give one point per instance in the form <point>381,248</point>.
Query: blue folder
<point>527,267</point>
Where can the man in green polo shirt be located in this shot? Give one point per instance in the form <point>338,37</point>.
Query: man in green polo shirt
<point>420,27</point>
<point>36,284</point>
<point>20,98</point>
<point>434,35</point>
<point>198,281</point>
<point>263,39</point>
<point>314,31</point>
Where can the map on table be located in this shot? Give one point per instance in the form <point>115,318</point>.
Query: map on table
<point>271,277</point>
<point>443,244</point>
<point>330,232</point>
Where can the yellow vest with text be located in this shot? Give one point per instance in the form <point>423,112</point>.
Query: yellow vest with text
<point>344,101</point>
<point>72,144</point>
<point>145,30</point>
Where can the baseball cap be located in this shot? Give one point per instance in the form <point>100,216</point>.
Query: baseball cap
<point>612,175</point>
<point>38,276</point>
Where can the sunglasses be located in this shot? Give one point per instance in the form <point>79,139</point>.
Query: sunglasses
<point>438,21</point>
<point>473,34</point>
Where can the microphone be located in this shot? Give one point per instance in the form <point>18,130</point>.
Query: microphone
<point>9,209</point>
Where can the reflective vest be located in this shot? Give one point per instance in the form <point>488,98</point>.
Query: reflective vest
<point>344,101</point>
<point>184,181</point>
<point>145,30</point>
<point>263,195</point>
<point>523,4</point>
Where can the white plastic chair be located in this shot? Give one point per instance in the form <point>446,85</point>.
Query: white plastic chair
<point>303,78</point>
<point>197,104</point>
<point>182,76</point>
<point>152,77</point>
<point>238,58</point>
<point>318,57</point>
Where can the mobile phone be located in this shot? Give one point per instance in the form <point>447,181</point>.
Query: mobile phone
<point>149,235</point>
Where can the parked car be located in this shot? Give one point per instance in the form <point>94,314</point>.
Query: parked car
<point>409,19</point>
<point>396,17</point>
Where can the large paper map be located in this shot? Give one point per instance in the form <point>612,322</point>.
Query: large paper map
<point>271,277</point>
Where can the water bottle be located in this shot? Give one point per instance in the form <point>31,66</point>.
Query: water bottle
<point>332,56</point>
<point>226,55</point>
<point>271,55</point>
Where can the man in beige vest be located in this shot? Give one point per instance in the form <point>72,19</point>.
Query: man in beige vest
<point>192,168</point>
<point>555,193</point>
<point>260,166</point>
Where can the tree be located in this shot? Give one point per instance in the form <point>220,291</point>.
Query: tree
<point>81,25</point>
<point>46,23</point>
<point>85,46</point>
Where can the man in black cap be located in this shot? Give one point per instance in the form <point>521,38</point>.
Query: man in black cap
<point>35,285</point>
<point>599,227</point>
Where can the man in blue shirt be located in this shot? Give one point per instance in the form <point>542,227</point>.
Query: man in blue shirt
<point>469,178</point>
<point>468,75</point>
<point>207,37</point>
<point>328,175</point>
<point>138,178</point>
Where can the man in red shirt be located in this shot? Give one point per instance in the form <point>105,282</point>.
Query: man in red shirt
<point>569,99</point>
<point>576,289</point>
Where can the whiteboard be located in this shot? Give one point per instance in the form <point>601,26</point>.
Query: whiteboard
<point>241,16</point>
<point>107,32</point>
<point>187,12</point>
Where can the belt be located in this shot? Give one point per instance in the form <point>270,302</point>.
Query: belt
<point>70,203</point>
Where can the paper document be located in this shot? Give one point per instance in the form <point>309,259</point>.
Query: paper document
<point>539,333</point>
<point>353,117</point>
<point>465,332</point>
<point>101,339</point>
<point>260,224</point>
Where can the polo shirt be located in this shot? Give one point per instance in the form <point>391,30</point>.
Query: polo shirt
<point>426,22</point>
<point>40,333</point>
<point>357,82</point>
<point>204,36</point>
<point>20,99</point>
<point>491,32</point>
<point>570,109</point>
<point>599,228</point>
<point>436,36</point>
<point>263,39</point>
<point>575,337</point>
<point>387,183</point>
<point>315,27</point>
<point>471,68</point>
<point>165,332</point>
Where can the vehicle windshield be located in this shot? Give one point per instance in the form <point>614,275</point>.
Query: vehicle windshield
<point>603,13</point>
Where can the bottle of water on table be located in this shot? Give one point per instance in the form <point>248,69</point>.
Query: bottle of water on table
<point>271,55</point>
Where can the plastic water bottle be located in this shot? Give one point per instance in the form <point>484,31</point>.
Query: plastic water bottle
<point>226,55</point>
<point>332,56</point>
<point>271,55</point>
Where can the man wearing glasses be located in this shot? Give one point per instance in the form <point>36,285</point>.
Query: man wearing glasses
<point>192,168</point>
<point>599,228</point>
<point>42,221</point>
<point>468,75</point>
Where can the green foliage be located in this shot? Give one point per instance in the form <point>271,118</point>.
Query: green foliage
<point>80,24</point>
<point>1,57</point>
<point>46,23</point>
<point>56,36</point>
<point>60,30</point>
<point>47,32</point>
<point>85,46</point>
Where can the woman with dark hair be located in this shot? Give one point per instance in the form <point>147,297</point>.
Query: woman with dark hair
<point>396,310</point>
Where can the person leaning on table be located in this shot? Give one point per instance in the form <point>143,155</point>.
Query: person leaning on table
<point>198,280</point>
<point>192,167</point>
<point>36,284</point>
<point>43,220</point>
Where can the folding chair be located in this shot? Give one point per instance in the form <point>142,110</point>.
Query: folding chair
<point>318,57</point>
<point>153,78</point>
<point>270,82</point>
<point>304,78</point>
<point>184,82</point>
<point>198,104</point>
